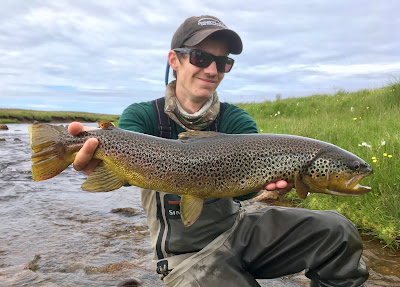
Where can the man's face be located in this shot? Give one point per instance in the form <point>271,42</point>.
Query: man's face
<point>198,84</point>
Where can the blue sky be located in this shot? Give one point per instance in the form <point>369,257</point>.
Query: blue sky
<point>101,56</point>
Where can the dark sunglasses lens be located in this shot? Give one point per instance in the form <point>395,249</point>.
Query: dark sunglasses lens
<point>200,59</point>
<point>203,59</point>
<point>228,65</point>
<point>224,64</point>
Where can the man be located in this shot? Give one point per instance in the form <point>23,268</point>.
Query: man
<point>226,245</point>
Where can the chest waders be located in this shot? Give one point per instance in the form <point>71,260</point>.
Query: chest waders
<point>173,238</point>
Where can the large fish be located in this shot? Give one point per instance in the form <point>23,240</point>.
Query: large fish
<point>200,165</point>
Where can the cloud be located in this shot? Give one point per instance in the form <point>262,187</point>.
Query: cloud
<point>102,56</point>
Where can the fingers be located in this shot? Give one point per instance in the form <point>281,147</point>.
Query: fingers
<point>85,155</point>
<point>75,128</point>
<point>289,187</point>
<point>91,166</point>
<point>276,185</point>
<point>281,185</point>
<point>84,158</point>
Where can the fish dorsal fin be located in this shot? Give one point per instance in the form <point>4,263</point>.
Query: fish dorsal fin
<point>191,208</point>
<point>102,179</point>
<point>301,189</point>
<point>197,135</point>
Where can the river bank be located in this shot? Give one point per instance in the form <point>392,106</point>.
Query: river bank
<point>30,116</point>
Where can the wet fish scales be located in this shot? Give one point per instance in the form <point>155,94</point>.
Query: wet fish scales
<point>201,165</point>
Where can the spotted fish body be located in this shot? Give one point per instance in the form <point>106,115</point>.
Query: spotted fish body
<point>200,165</point>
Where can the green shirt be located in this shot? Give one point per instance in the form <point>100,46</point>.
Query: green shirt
<point>141,117</point>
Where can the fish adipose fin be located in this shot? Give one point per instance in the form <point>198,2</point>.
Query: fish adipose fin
<point>48,158</point>
<point>102,179</point>
<point>191,208</point>
<point>301,189</point>
<point>186,137</point>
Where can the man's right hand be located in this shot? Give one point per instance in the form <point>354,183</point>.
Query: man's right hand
<point>84,158</point>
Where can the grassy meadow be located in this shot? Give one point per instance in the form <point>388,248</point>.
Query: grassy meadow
<point>366,123</point>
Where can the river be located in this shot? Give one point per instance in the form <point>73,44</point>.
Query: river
<point>52,233</point>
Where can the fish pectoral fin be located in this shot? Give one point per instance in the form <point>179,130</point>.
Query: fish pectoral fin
<point>301,188</point>
<point>197,135</point>
<point>191,208</point>
<point>102,179</point>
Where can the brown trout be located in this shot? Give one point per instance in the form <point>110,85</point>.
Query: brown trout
<point>200,165</point>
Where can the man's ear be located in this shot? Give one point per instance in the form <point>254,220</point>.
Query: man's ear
<point>173,60</point>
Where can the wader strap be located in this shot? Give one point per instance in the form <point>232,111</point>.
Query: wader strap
<point>165,266</point>
<point>163,121</point>
<point>215,124</point>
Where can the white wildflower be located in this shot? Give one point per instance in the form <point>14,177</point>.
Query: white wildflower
<point>365,144</point>
<point>383,142</point>
<point>352,109</point>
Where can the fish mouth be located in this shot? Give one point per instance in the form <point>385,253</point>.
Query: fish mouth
<point>352,187</point>
<point>355,191</point>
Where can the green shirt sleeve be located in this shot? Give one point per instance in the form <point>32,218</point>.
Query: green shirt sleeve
<point>236,121</point>
<point>139,117</point>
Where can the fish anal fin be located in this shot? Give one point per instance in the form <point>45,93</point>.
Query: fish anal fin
<point>301,189</point>
<point>102,179</point>
<point>191,208</point>
<point>197,135</point>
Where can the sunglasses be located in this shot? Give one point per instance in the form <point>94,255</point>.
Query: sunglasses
<point>203,59</point>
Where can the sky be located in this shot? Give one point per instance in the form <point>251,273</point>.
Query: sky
<point>101,56</point>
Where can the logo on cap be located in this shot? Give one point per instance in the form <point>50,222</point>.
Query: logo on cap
<point>211,22</point>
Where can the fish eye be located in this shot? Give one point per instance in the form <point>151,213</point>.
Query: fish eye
<point>356,165</point>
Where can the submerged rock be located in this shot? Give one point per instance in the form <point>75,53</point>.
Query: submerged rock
<point>112,268</point>
<point>129,283</point>
<point>127,211</point>
<point>32,265</point>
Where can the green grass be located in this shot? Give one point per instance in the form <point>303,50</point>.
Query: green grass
<point>20,115</point>
<point>347,120</point>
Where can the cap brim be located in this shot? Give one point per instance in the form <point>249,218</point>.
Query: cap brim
<point>234,42</point>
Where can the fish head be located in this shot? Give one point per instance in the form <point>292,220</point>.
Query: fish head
<point>334,171</point>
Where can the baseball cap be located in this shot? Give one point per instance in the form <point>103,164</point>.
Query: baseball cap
<point>195,29</point>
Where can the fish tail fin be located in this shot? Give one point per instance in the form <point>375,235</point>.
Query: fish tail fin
<point>48,157</point>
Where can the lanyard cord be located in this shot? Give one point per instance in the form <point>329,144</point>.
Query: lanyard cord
<point>166,74</point>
